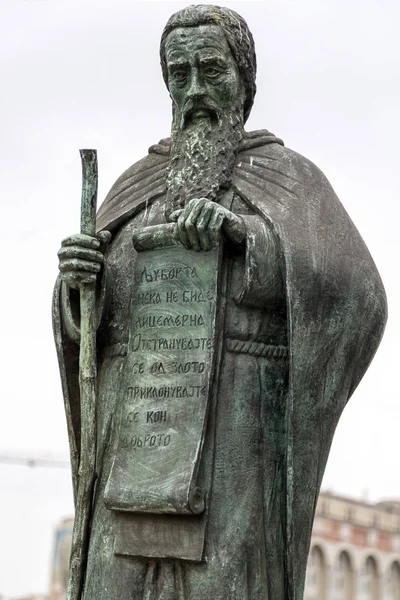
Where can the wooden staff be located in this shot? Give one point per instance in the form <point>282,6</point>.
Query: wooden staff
<point>87,385</point>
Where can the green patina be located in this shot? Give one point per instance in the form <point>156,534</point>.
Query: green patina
<point>225,311</point>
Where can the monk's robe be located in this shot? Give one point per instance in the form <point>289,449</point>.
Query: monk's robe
<point>304,316</point>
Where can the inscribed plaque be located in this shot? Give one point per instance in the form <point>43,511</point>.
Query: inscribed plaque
<point>167,382</point>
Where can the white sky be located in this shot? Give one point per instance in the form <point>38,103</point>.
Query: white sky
<point>79,74</point>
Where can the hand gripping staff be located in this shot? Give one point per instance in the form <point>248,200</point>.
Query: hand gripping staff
<point>87,385</point>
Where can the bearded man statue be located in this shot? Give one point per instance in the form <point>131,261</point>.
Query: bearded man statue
<point>304,313</point>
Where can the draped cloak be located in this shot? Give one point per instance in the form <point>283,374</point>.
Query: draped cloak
<point>336,310</point>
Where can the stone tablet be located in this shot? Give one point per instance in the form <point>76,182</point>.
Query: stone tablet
<point>161,536</point>
<point>167,382</point>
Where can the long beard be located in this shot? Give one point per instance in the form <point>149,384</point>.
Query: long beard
<point>203,156</point>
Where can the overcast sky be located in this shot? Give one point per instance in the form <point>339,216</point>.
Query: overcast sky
<point>78,74</point>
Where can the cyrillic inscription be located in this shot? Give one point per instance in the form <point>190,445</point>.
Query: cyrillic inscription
<point>145,441</point>
<point>167,377</point>
<point>176,296</point>
<point>168,391</point>
<point>139,342</point>
<point>151,321</point>
<point>167,274</point>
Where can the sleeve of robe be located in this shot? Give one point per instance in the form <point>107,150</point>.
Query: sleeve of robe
<point>263,276</point>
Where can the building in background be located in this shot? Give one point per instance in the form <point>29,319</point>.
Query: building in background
<point>355,551</point>
<point>31,597</point>
<point>354,555</point>
<point>60,562</point>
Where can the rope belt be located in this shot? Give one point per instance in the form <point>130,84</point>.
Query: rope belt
<point>256,349</point>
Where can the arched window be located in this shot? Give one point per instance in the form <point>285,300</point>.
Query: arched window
<point>343,579</point>
<point>392,582</point>
<point>315,588</point>
<point>369,581</point>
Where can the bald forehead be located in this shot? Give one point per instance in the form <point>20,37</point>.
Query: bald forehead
<point>204,39</point>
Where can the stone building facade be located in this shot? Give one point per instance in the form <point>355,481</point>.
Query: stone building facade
<point>355,551</point>
<point>354,555</point>
<point>60,562</point>
<point>34,597</point>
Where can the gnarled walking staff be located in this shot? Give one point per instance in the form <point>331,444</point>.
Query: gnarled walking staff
<point>87,385</point>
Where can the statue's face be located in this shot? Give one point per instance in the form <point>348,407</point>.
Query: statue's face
<point>203,78</point>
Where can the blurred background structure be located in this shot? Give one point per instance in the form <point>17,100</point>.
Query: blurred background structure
<point>34,597</point>
<point>59,567</point>
<point>355,552</point>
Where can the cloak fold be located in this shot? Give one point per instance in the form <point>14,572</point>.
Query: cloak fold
<point>336,309</point>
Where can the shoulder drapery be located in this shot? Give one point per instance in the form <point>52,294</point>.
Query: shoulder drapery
<point>335,301</point>
<point>145,180</point>
<point>337,312</point>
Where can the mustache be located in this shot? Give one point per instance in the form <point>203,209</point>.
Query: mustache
<point>192,106</point>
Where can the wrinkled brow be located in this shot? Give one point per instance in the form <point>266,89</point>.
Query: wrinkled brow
<point>203,60</point>
<point>177,63</point>
<point>212,60</point>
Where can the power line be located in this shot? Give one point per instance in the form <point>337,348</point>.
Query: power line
<point>31,461</point>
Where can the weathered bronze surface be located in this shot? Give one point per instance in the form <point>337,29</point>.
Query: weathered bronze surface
<point>160,536</point>
<point>237,309</point>
<point>167,381</point>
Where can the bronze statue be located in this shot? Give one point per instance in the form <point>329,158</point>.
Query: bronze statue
<point>237,310</point>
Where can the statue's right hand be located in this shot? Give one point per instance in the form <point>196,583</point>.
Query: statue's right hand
<point>81,258</point>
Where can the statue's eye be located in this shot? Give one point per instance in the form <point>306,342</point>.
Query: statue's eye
<point>211,72</point>
<point>179,75</point>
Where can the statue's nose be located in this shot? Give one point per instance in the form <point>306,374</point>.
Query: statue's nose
<point>196,89</point>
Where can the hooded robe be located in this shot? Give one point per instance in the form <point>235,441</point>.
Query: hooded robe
<point>335,314</point>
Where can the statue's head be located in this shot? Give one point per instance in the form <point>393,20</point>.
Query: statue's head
<point>208,62</point>
<point>209,66</point>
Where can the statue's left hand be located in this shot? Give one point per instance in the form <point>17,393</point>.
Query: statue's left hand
<point>200,224</point>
